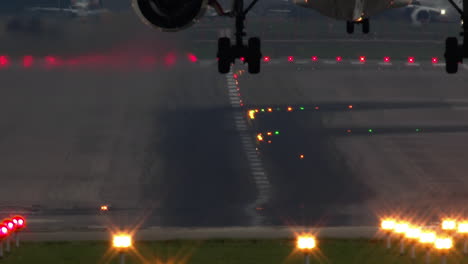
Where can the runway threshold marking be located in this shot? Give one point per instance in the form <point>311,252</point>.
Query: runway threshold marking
<point>256,166</point>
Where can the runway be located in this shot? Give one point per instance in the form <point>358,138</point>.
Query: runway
<point>165,142</point>
<point>347,145</point>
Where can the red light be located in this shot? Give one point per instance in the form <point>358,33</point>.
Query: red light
<point>242,59</point>
<point>386,59</point>
<point>435,60</point>
<point>192,58</point>
<point>362,59</point>
<point>170,59</point>
<point>411,59</point>
<point>235,76</point>
<point>339,59</point>
<point>9,224</point>
<point>350,106</point>
<point>4,61</point>
<point>28,61</point>
<point>51,61</point>
<point>314,58</point>
<point>348,131</point>
<point>266,59</point>
<point>290,58</point>
<point>19,221</point>
<point>316,108</point>
<point>3,231</point>
<point>290,109</point>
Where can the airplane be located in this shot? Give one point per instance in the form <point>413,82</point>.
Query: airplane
<point>77,8</point>
<point>176,15</point>
<point>425,11</point>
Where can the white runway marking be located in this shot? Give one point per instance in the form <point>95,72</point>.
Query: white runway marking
<point>256,166</point>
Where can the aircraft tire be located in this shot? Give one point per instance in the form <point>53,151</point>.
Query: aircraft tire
<point>452,55</point>
<point>224,55</point>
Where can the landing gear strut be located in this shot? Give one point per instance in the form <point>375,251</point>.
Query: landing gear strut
<point>454,52</point>
<point>365,26</point>
<point>228,53</point>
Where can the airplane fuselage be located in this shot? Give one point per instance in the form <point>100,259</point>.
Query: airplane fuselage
<point>351,10</point>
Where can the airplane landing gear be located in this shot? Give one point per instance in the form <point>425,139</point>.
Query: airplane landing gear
<point>454,52</point>
<point>365,26</point>
<point>251,53</point>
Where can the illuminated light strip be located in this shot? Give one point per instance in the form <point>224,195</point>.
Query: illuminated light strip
<point>256,166</point>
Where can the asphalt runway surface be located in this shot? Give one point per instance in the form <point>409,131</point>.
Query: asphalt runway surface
<point>168,143</point>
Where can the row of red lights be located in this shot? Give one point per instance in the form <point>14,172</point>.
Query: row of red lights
<point>362,59</point>
<point>10,226</point>
<point>28,60</point>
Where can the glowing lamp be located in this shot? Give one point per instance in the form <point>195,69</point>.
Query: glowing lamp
<point>266,59</point>
<point>314,58</point>
<point>19,221</point>
<point>443,243</point>
<point>3,231</point>
<point>252,114</point>
<point>462,228</point>
<point>386,59</point>
<point>306,243</point>
<point>413,233</point>
<point>387,224</point>
<point>122,241</point>
<point>291,59</point>
<point>401,228</point>
<point>339,59</point>
<point>10,225</point>
<point>411,60</point>
<point>449,225</point>
<point>362,59</point>
<point>435,60</point>
<point>427,238</point>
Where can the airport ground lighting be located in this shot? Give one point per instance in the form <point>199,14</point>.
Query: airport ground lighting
<point>122,242</point>
<point>462,230</point>
<point>306,244</point>
<point>427,240</point>
<point>388,226</point>
<point>412,234</point>
<point>400,229</point>
<point>443,245</point>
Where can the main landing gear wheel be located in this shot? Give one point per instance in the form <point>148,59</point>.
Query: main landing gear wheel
<point>227,53</point>
<point>224,55</point>
<point>452,55</point>
<point>365,26</point>
<point>255,55</point>
<point>350,27</point>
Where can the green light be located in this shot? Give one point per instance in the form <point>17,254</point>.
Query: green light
<point>276,132</point>
<point>302,108</point>
<point>370,131</point>
<point>418,130</point>
<point>278,109</point>
<point>263,110</point>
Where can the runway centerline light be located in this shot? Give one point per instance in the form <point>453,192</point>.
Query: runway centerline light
<point>339,59</point>
<point>266,59</point>
<point>386,59</point>
<point>314,58</point>
<point>104,208</point>
<point>306,243</point>
<point>122,241</point>
<point>411,60</point>
<point>4,60</point>
<point>386,224</point>
<point>435,60</point>
<point>449,224</point>
<point>362,59</point>
<point>290,109</point>
<point>28,61</point>
<point>291,58</point>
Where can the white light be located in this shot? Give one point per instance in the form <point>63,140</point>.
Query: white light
<point>443,12</point>
<point>305,242</point>
<point>122,241</point>
<point>463,228</point>
<point>443,243</point>
<point>427,237</point>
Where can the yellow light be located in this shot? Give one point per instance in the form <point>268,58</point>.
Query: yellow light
<point>306,242</point>
<point>104,208</point>
<point>427,237</point>
<point>443,243</point>
<point>252,114</point>
<point>122,241</point>
<point>400,228</point>
<point>449,224</point>
<point>260,137</point>
<point>413,233</point>
<point>387,224</point>
<point>462,228</point>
